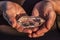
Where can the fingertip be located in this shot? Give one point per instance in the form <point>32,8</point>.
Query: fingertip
<point>35,29</point>
<point>14,25</point>
<point>40,34</point>
<point>20,29</point>
<point>30,35</point>
<point>34,35</point>
<point>27,31</point>
<point>35,12</point>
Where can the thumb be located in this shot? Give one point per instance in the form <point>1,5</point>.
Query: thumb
<point>35,12</point>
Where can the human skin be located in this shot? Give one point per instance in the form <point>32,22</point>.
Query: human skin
<point>55,5</point>
<point>21,2</point>
<point>44,9</point>
<point>10,11</point>
<point>48,10</point>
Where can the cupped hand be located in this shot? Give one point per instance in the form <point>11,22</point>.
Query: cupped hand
<point>47,12</point>
<point>13,10</point>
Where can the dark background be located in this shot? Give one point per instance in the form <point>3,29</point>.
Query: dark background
<point>28,5</point>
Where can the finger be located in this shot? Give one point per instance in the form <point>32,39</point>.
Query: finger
<point>19,29</point>
<point>37,35</point>
<point>35,29</point>
<point>12,22</point>
<point>27,31</point>
<point>14,25</point>
<point>34,35</point>
<point>41,32</point>
<point>17,26</point>
<point>30,35</point>
<point>35,12</point>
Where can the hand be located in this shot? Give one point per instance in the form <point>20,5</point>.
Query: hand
<point>13,10</point>
<point>48,14</point>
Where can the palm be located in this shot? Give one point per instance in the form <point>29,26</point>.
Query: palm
<point>48,14</point>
